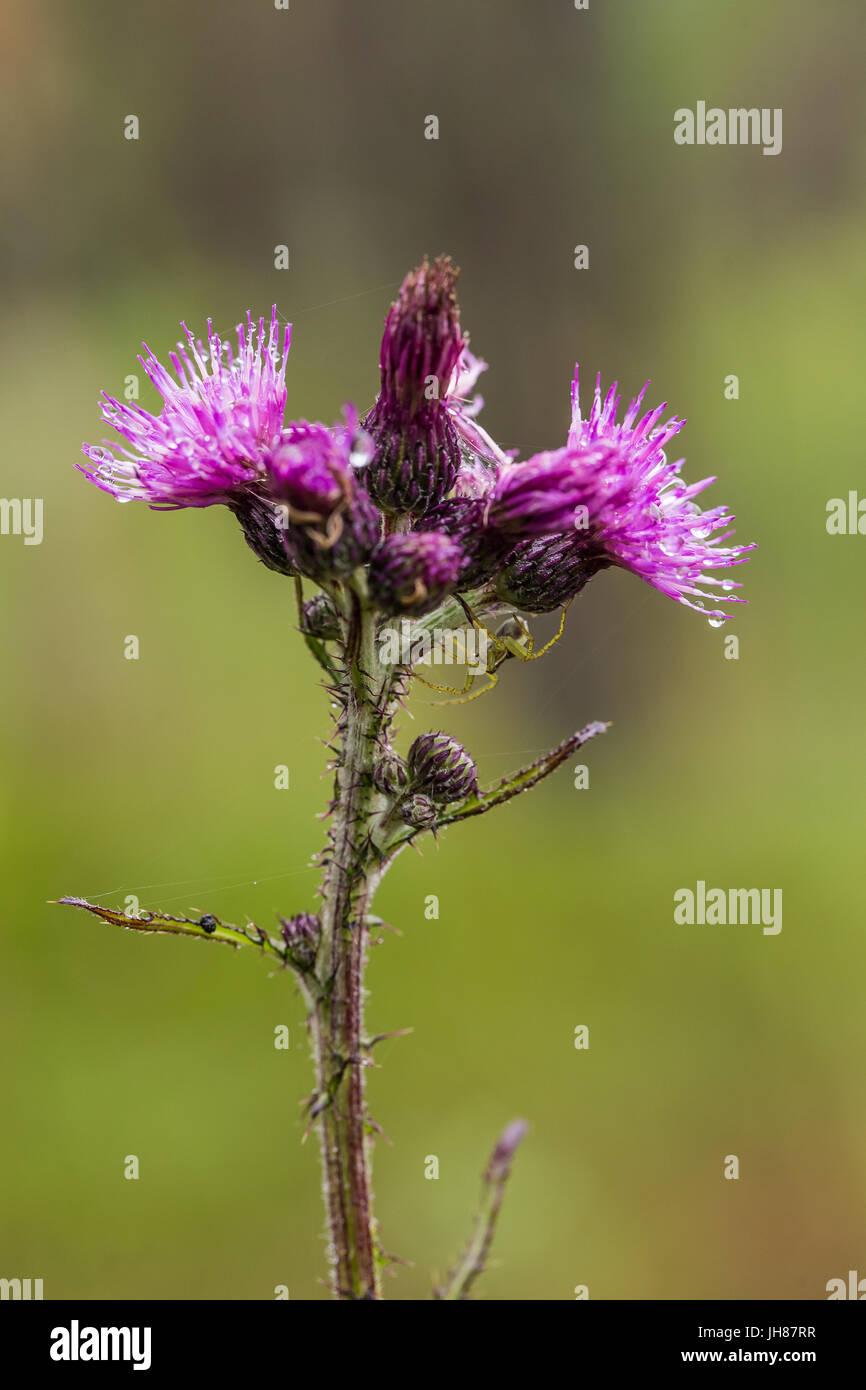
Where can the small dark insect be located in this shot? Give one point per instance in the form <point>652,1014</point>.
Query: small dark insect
<point>208,922</point>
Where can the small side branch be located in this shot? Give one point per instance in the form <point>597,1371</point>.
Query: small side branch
<point>524,779</point>
<point>474,1259</point>
<point>207,927</point>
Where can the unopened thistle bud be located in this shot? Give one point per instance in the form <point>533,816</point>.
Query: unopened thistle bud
<point>419,811</point>
<point>441,767</point>
<point>417,453</point>
<point>302,935</point>
<point>264,531</point>
<point>320,618</point>
<point>390,774</point>
<point>484,549</point>
<point>413,572</point>
<point>544,574</point>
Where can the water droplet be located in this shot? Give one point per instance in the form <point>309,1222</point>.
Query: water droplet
<point>716,622</point>
<point>727,585</point>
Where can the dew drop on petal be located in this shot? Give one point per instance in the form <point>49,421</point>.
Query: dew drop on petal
<point>716,622</point>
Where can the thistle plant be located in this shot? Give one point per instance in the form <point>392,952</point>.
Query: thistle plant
<point>412,516</point>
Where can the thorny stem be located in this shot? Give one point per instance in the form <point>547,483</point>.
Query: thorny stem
<point>365,836</point>
<point>352,873</point>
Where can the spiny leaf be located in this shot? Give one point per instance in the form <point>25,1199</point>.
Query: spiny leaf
<point>213,930</point>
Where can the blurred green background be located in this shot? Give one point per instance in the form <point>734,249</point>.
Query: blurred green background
<point>155,777</point>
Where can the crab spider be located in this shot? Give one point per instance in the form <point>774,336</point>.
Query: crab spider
<point>511,639</point>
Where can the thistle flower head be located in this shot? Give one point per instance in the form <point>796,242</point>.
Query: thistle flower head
<point>222,412</point>
<point>332,525</point>
<point>417,451</point>
<point>422,341</point>
<point>538,496</point>
<point>614,492</point>
<point>637,512</point>
<point>441,768</point>
<point>412,573</point>
<point>484,548</point>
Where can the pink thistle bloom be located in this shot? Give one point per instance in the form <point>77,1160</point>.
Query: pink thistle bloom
<point>640,514</point>
<point>538,496</point>
<point>614,491</point>
<point>221,416</point>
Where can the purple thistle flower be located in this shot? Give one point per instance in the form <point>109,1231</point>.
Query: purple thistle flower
<point>412,573</point>
<point>484,549</point>
<point>417,449</point>
<point>538,497</point>
<point>220,417</point>
<point>332,523</point>
<point>635,434</point>
<point>613,491</point>
<point>640,514</point>
<point>308,470</point>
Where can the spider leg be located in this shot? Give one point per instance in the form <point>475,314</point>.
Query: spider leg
<point>493,679</point>
<point>482,627</point>
<point>531,654</point>
<point>451,689</point>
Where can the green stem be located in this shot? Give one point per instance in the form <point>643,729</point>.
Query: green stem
<point>336,1018</point>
